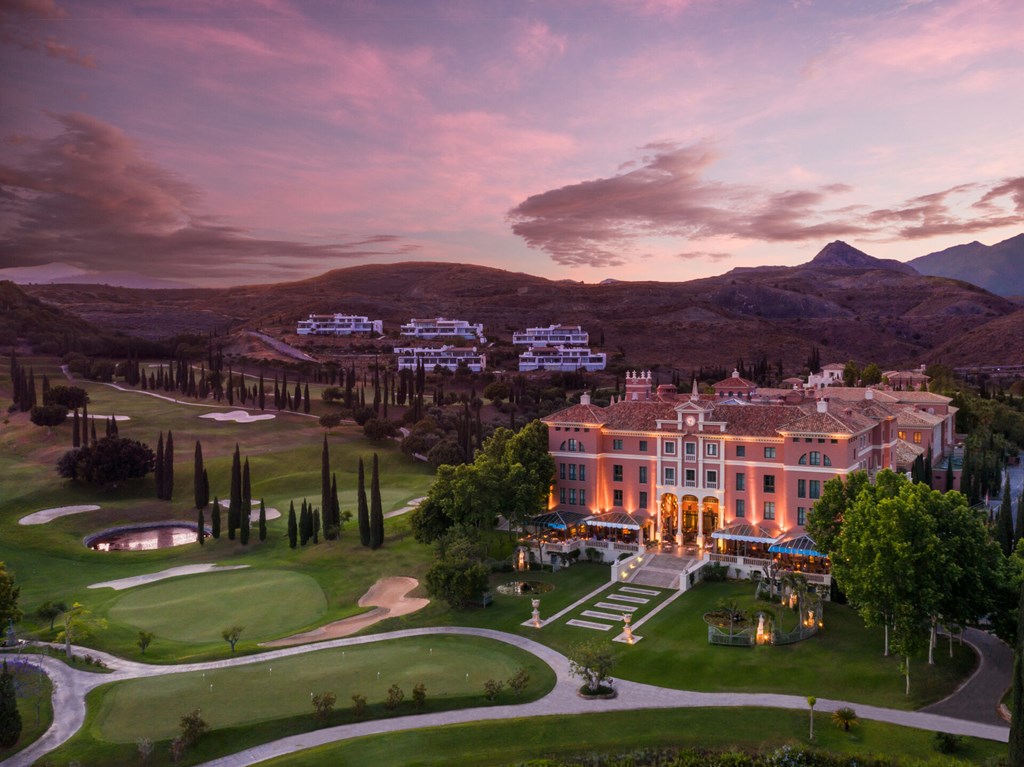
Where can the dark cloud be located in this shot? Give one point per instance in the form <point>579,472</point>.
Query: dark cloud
<point>20,21</point>
<point>597,223</point>
<point>88,197</point>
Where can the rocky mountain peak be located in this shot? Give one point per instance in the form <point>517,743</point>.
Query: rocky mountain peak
<point>840,254</point>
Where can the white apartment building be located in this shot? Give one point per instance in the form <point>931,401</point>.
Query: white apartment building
<point>440,327</point>
<point>552,335</point>
<point>561,358</point>
<point>338,325</point>
<point>409,358</point>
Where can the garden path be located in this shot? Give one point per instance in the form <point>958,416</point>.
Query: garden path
<point>71,686</point>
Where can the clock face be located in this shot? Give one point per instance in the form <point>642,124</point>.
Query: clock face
<point>690,420</point>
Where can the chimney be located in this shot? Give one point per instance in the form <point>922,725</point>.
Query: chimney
<point>585,398</point>
<point>823,406</point>
<point>869,394</point>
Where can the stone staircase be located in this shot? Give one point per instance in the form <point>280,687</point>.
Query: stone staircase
<point>662,571</point>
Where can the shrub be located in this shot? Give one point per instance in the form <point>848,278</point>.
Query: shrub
<point>359,705</point>
<point>323,705</point>
<point>395,697</point>
<point>519,681</point>
<point>492,688</point>
<point>845,718</point>
<point>419,696</point>
<point>947,742</point>
<point>716,572</point>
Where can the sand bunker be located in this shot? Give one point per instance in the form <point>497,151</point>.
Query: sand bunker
<point>48,515</point>
<point>108,417</point>
<point>174,572</point>
<point>254,515</point>
<point>388,595</point>
<point>239,416</point>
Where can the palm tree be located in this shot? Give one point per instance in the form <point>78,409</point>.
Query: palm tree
<point>845,718</point>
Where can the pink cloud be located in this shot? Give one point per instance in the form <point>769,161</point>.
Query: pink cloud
<point>20,21</point>
<point>603,222</point>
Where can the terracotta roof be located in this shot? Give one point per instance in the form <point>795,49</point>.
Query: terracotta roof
<point>639,416</point>
<point>577,414</point>
<point>910,416</point>
<point>920,396</point>
<point>906,453</point>
<point>853,393</point>
<point>735,382</point>
<point>755,420</point>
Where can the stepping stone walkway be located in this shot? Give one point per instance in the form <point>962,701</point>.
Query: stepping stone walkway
<point>604,610</point>
<point>588,625</point>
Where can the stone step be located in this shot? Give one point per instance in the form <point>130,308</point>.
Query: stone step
<point>668,562</point>
<point>664,579</point>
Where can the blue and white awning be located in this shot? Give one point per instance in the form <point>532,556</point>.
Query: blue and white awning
<point>799,544</point>
<point>558,520</point>
<point>619,519</point>
<point>760,533</point>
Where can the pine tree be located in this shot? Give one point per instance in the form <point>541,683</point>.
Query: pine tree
<point>169,466</point>
<point>197,477</point>
<point>376,511</point>
<point>263,521</point>
<point>215,518</point>
<point>293,527</point>
<point>235,500</point>
<point>10,717</point>
<point>201,526</point>
<point>364,509</point>
<point>246,510</point>
<point>158,467</point>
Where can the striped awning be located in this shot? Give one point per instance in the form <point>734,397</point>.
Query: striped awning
<point>619,519</point>
<point>799,544</point>
<point>558,520</point>
<point>751,533</point>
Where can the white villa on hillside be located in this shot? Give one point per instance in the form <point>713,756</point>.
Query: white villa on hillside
<point>552,335</point>
<point>338,325</point>
<point>561,358</point>
<point>450,357</point>
<point>439,327</point>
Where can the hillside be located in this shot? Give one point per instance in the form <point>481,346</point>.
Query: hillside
<point>998,268</point>
<point>845,301</point>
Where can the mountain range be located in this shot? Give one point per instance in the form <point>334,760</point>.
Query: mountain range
<point>998,268</point>
<point>849,304</point>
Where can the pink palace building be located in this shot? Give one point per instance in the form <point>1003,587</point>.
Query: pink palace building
<point>730,476</point>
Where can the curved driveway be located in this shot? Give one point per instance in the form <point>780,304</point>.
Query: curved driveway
<point>72,685</point>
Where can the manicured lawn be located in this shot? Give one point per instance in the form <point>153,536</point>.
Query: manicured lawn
<point>266,603</point>
<point>34,703</point>
<point>844,661</point>
<point>252,704</point>
<point>512,741</point>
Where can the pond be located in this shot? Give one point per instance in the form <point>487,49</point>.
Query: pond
<point>160,535</point>
<point>524,588</point>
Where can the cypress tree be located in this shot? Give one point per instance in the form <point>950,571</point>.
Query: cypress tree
<point>335,516</point>
<point>169,466</point>
<point>928,468</point>
<point>201,526</point>
<point>158,467</point>
<point>10,717</point>
<point>1017,691</point>
<point>305,399</point>
<point>1004,521</point>
<point>316,526</point>
<point>197,476</point>
<point>235,501</point>
<point>364,509</point>
<point>215,518</point>
<point>246,511</point>
<point>304,524</point>
<point>297,402</point>
<point>85,425</point>
<point>261,396</point>
<point>376,511</point>
<point>293,527</point>
<point>76,440</point>
<point>263,521</point>
<point>949,473</point>
<point>325,485</point>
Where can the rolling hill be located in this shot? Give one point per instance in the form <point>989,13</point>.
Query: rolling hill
<point>998,268</point>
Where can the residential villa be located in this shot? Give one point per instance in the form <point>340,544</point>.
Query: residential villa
<point>552,335</point>
<point>829,375</point>
<point>730,476</point>
<point>338,325</point>
<point>561,358</point>
<point>450,357</point>
<point>440,327</point>
<point>907,379</point>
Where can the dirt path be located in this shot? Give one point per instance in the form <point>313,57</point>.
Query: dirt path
<point>388,596</point>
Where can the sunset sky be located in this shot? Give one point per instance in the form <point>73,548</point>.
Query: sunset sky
<point>219,143</point>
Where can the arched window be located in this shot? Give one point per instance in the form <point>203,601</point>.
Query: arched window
<point>803,459</point>
<point>562,446</point>
<point>572,446</point>
<point>828,461</point>
<point>815,458</point>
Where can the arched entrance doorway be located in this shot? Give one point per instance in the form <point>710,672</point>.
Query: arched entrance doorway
<point>669,517</point>
<point>709,516</point>
<point>690,525</point>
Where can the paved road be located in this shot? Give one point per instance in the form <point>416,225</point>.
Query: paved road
<point>978,698</point>
<point>71,686</point>
<point>281,346</point>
